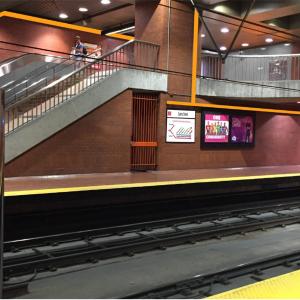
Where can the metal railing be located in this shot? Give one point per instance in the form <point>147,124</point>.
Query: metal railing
<point>133,54</point>
<point>252,67</point>
<point>54,68</point>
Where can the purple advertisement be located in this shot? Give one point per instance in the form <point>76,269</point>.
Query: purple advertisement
<point>242,130</point>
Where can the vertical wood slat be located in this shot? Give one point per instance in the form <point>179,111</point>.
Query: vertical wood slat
<point>144,131</point>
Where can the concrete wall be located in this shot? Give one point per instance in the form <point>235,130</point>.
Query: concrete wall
<point>281,90</point>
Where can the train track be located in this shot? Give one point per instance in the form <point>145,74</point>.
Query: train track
<point>205,285</point>
<point>30,256</point>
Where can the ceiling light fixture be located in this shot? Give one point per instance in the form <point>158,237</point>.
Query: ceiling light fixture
<point>223,48</point>
<point>63,16</point>
<point>263,49</point>
<point>105,2</point>
<point>203,35</point>
<point>287,44</point>
<point>83,9</point>
<point>272,24</point>
<point>224,30</point>
<point>245,45</point>
<point>269,40</point>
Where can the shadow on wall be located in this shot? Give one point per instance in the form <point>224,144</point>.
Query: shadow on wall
<point>278,141</point>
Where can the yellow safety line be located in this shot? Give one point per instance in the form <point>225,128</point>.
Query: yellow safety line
<point>145,184</point>
<point>195,56</point>
<point>245,108</point>
<point>286,286</point>
<point>61,24</point>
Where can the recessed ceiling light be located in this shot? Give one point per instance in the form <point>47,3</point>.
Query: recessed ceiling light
<point>287,44</point>
<point>63,16</point>
<point>203,35</point>
<point>224,30</point>
<point>245,45</point>
<point>83,9</point>
<point>263,49</point>
<point>269,40</point>
<point>223,48</point>
<point>105,2</point>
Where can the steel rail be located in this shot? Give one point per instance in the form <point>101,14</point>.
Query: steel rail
<point>91,251</point>
<point>202,284</point>
<point>17,245</point>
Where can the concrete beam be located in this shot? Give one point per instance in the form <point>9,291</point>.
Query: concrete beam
<point>227,89</point>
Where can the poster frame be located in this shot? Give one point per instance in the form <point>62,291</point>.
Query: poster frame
<point>228,145</point>
<point>195,126</point>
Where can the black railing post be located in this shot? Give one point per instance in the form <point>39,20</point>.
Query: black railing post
<point>2,114</point>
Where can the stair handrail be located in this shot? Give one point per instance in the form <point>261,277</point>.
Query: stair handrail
<point>64,59</point>
<point>11,59</point>
<point>116,49</point>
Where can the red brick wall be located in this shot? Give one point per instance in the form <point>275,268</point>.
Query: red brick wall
<point>277,143</point>
<point>151,18</point>
<point>99,142</point>
<point>42,36</point>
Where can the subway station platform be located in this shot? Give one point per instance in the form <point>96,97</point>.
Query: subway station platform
<point>285,287</point>
<point>107,181</point>
<point>118,198</point>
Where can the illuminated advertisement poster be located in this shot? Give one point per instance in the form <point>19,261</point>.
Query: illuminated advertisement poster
<point>180,126</point>
<point>242,130</point>
<point>216,128</point>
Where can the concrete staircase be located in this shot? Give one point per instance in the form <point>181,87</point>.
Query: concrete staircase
<point>65,113</point>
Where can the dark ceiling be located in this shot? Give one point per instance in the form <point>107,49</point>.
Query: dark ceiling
<point>123,11</point>
<point>278,19</point>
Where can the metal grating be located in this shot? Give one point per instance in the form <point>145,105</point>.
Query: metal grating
<point>144,131</point>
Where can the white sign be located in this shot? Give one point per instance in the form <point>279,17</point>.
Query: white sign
<point>180,130</point>
<point>182,114</point>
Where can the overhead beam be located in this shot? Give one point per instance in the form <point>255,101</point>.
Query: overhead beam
<point>274,13</point>
<point>239,29</point>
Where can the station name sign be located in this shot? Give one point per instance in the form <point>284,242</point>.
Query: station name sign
<point>180,126</point>
<point>181,114</point>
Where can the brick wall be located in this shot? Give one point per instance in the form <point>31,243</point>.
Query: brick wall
<point>43,36</point>
<point>99,142</point>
